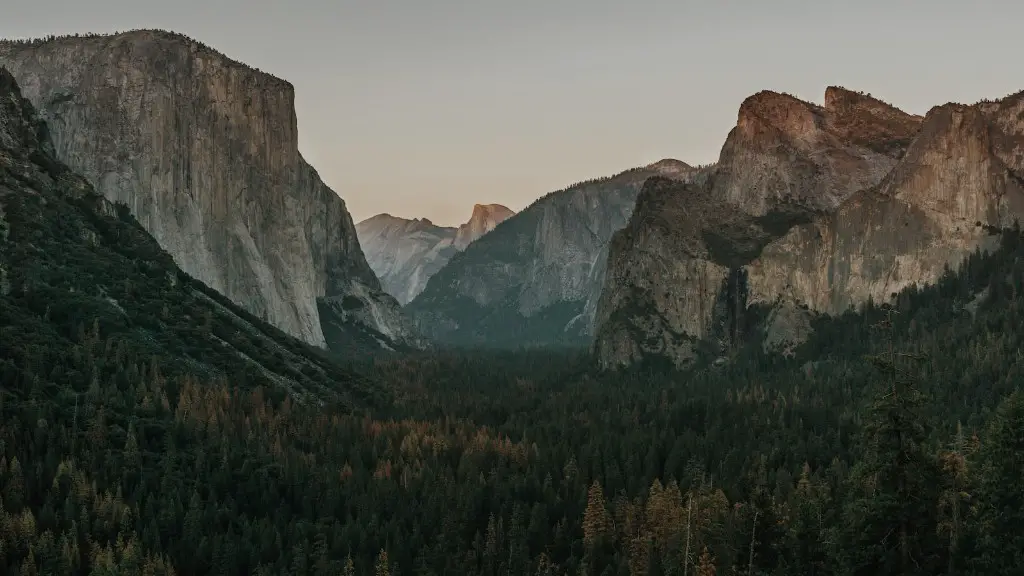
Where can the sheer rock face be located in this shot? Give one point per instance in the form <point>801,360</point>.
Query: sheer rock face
<point>960,177</point>
<point>535,279</point>
<point>786,150</point>
<point>485,218</point>
<point>816,208</point>
<point>204,152</point>
<point>406,253</point>
<point>66,247</point>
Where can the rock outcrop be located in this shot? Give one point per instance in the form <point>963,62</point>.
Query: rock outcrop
<point>809,210</point>
<point>406,253</point>
<point>534,280</point>
<point>78,273</point>
<point>961,177</point>
<point>485,217</point>
<point>204,152</point>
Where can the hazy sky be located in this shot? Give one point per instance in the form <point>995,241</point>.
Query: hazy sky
<point>424,107</point>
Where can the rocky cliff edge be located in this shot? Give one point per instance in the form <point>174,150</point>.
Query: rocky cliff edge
<point>811,209</point>
<point>204,152</point>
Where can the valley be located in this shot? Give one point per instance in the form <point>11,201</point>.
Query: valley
<point>406,253</point>
<point>802,359</point>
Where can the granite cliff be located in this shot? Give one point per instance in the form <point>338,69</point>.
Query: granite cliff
<point>534,280</point>
<point>406,253</point>
<point>204,152</point>
<point>810,209</point>
<point>81,280</point>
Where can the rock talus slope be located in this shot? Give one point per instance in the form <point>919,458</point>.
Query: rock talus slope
<point>204,152</point>
<point>813,208</point>
<point>534,280</point>
<point>406,253</point>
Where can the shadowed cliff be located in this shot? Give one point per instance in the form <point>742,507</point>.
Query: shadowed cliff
<point>535,279</point>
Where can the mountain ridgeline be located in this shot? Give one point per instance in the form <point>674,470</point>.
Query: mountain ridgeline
<point>203,150</point>
<point>810,209</point>
<point>535,279</point>
<point>406,253</point>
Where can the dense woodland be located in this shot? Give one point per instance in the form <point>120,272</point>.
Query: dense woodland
<point>879,448</point>
<point>149,426</point>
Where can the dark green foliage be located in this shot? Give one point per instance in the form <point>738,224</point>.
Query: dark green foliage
<point>890,522</point>
<point>1001,492</point>
<point>501,326</point>
<point>135,437</point>
<point>351,303</point>
<point>484,462</point>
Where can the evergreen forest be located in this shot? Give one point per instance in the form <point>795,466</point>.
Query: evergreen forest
<point>149,426</point>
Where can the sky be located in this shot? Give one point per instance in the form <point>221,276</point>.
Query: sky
<point>422,108</point>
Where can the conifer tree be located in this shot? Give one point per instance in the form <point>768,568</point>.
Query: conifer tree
<point>597,522</point>
<point>890,520</point>
<point>1001,492</point>
<point>382,567</point>
<point>706,564</point>
<point>955,499</point>
<point>808,527</point>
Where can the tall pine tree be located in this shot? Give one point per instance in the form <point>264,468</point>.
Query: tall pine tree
<point>891,517</point>
<point>1001,492</point>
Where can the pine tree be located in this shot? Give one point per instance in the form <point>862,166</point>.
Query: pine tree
<point>706,564</point>
<point>382,567</point>
<point>956,495</point>
<point>491,544</point>
<point>1001,492</point>
<point>808,530</point>
<point>597,522</point>
<point>890,520</point>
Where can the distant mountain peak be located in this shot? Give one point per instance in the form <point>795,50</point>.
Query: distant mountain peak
<point>670,166</point>
<point>405,253</point>
<point>490,211</point>
<point>485,218</point>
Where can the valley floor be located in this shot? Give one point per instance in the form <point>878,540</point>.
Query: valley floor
<point>831,462</point>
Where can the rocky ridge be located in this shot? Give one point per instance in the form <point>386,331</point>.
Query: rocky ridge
<point>204,152</point>
<point>534,280</point>
<point>405,253</point>
<point>809,210</point>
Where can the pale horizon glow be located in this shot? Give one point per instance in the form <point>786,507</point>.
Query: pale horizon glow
<point>422,109</point>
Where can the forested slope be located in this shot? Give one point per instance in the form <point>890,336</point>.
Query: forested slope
<point>135,437</point>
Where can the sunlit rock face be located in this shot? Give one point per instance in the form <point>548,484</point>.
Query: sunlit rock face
<point>204,152</point>
<point>406,253</point>
<point>810,209</point>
